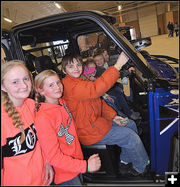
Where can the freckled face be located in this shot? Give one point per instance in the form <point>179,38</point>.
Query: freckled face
<point>52,89</point>
<point>17,84</point>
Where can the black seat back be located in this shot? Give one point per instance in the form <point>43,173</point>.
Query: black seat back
<point>30,59</point>
<point>44,63</point>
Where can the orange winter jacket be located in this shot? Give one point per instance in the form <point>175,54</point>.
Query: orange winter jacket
<point>22,165</point>
<point>57,136</point>
<point>92,115</point>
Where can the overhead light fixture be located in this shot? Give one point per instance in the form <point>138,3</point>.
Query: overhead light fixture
<point>57,5</point>
<point>119,7</point>
<point>8,20</point>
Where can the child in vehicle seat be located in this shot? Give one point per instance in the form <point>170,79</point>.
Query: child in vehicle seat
<point>56,132</point>
<point>96,122</point>
<point>89,72</point>
<point>117,89</point>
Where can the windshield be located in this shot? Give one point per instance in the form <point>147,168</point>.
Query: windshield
<point>125,39</point>
<point>89,43</point>
<point>140,56</point>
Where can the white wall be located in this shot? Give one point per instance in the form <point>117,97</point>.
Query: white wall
<point>147,17</point>
<point>148,21</point>
<point>161,8</point>
<point>130,16</point>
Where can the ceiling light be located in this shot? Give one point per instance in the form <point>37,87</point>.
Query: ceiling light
<point>8,20</point>
<point>119,7</point>
<point>57,5</point>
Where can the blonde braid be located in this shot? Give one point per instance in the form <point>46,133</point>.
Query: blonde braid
<point>37,98</point>
<point>12,112</point>
<point>8,104</point>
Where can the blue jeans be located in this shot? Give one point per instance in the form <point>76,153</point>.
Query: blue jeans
<point>73,182</point>
<point>120,99</point>
<point>114,106</point>
<point>132,148</point>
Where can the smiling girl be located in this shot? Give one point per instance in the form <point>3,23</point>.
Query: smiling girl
<point>23,163</point>
<point>57,133</point>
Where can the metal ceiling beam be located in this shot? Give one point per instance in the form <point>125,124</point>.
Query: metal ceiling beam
<point>124,5</point>
<point>59,2</point>
<point>136,7</point>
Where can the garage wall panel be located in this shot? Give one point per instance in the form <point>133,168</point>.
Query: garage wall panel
<point>175,16</point>
<point>161,8</point>
<point>161,24</point>
<point>130,16</point>
<point>148,21</point>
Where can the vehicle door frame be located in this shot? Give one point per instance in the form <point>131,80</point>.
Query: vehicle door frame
<point>8,45</point>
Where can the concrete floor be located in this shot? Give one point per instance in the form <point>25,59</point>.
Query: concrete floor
<point>162,45</point>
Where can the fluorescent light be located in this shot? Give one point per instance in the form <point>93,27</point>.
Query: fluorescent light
<point>57,5</point>
<point>8,20</point>
<point>119,7</point>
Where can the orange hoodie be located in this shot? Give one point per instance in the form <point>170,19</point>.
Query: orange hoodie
<point>92,115</point>
<point>22,165</point>
<point>57,136</point>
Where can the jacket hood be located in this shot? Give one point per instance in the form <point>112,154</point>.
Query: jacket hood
<point>49,106</point>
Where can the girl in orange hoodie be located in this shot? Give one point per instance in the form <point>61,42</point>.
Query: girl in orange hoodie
<point>56,132</point>
<point>23,163</point>
<point>96,122</point>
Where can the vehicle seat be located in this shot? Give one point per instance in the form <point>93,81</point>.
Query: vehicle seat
<point>109,155</point>
<point>29,59</point>
<point>44,63</point>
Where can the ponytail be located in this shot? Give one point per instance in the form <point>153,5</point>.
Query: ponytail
<point>12,112</point>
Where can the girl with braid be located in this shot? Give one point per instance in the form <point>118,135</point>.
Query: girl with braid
<point>57,133</point>
<point>23,163</point>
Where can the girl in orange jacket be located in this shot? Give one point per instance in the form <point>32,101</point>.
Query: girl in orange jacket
<point>96,122</point>
<point>56,132</point>
<point>23,163</point>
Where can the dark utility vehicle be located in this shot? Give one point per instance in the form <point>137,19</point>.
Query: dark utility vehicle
<point>42,43</point>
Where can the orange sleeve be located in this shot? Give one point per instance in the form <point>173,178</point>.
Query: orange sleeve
<point>2,171</point>
<point>83,90</point>
<point>107,111</point>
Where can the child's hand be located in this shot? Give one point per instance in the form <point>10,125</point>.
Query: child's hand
<point>94,163</point>
<point>119,120</point>
<point>122,59</point>
<point>49,174</point>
